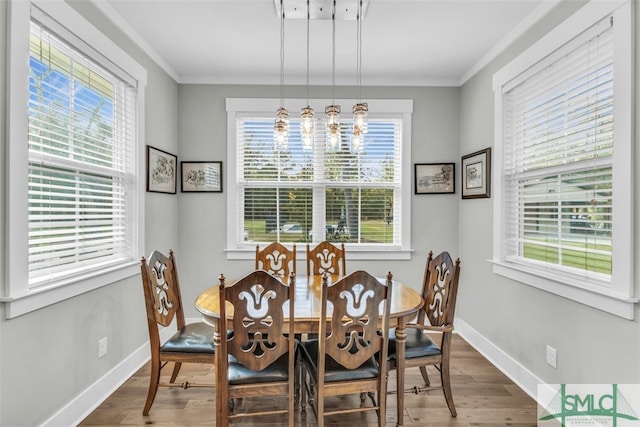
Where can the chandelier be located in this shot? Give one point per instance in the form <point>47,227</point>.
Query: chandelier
<point>322,9</point>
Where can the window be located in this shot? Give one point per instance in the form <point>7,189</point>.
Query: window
<point>341,194</point>
<point>563,210</point>
<point>73,169</point>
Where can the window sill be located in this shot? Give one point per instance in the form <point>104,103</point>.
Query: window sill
<point>370,253</point>
<point>17,305</point>
<point>602,299</point>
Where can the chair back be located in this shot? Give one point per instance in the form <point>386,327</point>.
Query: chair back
<point>161,292</point>
<point>259,337</point>
<point>276,259</point>
<point>439,290</point>
<point>326,258</point>
<point>359,320</point>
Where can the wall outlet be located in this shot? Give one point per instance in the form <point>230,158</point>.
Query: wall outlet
<point>552,356</point>
<point>102,347</point>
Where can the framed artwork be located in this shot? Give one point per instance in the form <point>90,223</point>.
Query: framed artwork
<point>162,170</point>
<point>476,175</point>
<point>435,178</point>
<point>201,177</point>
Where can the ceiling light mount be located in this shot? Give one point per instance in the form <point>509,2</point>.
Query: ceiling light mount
<point>321,9</point>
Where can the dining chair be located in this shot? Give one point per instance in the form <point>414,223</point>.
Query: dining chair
<point>439,292</point>
<point>326,257</point>
<point>258,358</point>
<point>351,356</point>
<point>276,259</point>
<point>191,343</point>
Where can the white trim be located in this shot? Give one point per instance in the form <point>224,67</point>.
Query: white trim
<point>618,299</point>
<point>67,16</point>
<point>127,29</point>
<point>514,370</point>
<point>88,400</point>
<point>17,305</point>
<point>93,396</point>
<point>523,26</point>
<point>536,15</point>
<point>352,253</point>
<point>623,154</point>
<point>570,28</point>
<point>607,301</point>
<point>16,295</point>
<point>404,107</point>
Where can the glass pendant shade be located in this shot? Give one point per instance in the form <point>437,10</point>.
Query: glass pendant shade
<point>333,125</point>
<point>357,138</point>
<point>307,127</point>
<point>360,111</point>
<point>281,128</point>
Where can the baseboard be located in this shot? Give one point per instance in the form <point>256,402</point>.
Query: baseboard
<point>521,376</point>
<point>88,400</point>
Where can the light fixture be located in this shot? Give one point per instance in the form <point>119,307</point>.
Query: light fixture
<point>361,109</point>
<point>281,127</point>
<point>318,9</point>
<point>333,111</point>
<point>307,115</point>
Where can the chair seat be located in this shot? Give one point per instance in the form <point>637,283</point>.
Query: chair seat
<point>333,371</point>
<point>192,338</point>
<point>240,374</point>
<point>418,344</point>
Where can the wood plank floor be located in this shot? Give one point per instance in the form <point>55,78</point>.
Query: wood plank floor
<point>482,394</point>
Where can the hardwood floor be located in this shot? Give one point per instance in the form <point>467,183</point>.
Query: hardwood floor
<point>482,394</point>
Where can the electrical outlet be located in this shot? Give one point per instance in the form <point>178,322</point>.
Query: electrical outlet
<point>102,347</point>
<point>552,356</point>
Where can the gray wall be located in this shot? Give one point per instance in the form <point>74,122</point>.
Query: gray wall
<point>49,356</point>
<point>593,346</point>
<point>203,136</point>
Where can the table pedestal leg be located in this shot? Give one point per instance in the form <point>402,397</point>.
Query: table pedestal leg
<point>401,338</point>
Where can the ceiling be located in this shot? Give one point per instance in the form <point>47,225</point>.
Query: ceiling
<point>404,42</point>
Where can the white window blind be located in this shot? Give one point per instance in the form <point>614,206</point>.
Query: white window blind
<point>557,159</point>
<point>82,136</point>
<point>338,194</point>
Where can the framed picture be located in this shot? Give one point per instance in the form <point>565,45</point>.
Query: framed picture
<point>435,178</point>
<point>201,177</point>
<point>162,170</point>
<point>476,175</point>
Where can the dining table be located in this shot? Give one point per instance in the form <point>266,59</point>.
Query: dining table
<point>405,303</point>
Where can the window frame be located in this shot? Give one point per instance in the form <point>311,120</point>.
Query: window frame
<point>17,295</point>
<point>616,298</point>
<point>403,107</point>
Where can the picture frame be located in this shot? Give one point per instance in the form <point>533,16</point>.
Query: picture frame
<point>435,178</point>
<point>201,177</point>
<point>162,170</point>
<point>476,174</point>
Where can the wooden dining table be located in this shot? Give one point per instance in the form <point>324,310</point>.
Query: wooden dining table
<point>405,303</point>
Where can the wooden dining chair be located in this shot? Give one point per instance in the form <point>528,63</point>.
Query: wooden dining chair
<point>191,343</point>
<point>326,257</point>
<point>258,358</point>
<point>277,259</point>
<point>439,292</point>
<point>351,356</point>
